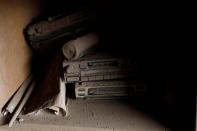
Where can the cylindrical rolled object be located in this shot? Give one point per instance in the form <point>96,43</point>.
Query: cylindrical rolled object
<point>75,49</point>
<point>21,105</point>
<point>17,97</point>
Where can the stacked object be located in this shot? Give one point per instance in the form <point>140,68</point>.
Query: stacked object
<point>96,74</point>
<point>49,31</point>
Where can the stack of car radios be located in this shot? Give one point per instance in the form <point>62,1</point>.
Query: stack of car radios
<point>103,76</point>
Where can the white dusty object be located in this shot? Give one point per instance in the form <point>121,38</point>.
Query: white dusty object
<point>75,49</point>
<point>59,103</point>
<point>24,100</point>
<point>20,119</point>
<point>17,96</point>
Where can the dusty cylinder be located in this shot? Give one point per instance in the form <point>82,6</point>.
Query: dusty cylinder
<point>75,49</point>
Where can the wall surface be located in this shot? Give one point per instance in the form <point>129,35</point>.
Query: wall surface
<point>15,55</point>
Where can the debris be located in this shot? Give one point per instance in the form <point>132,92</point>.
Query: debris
<point>34,113</point>
<point>20,120</point>
<point>56,112</point>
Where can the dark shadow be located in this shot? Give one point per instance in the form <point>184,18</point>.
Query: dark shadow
<point>145,33</point>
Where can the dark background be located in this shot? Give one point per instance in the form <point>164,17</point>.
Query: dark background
<point>157,35</point>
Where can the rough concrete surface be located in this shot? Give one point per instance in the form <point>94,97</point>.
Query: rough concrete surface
<point>109,115</point>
